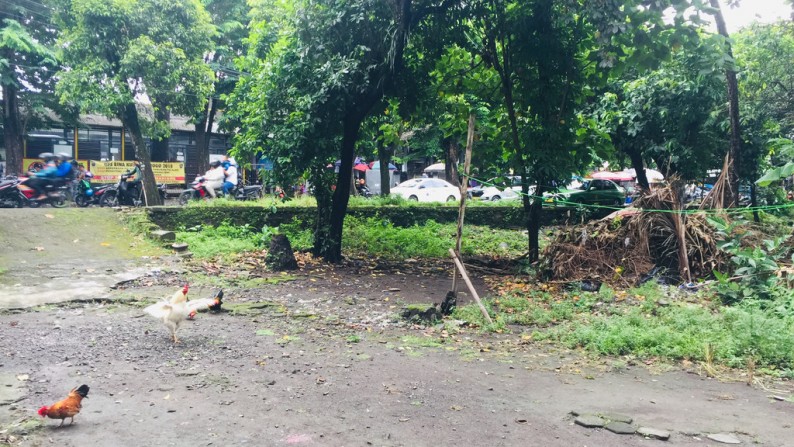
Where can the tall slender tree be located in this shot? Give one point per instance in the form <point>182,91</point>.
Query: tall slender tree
<point>306,102</point>
<point>127,56</point>
<point>26,67</point>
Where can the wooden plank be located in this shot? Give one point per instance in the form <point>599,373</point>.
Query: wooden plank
<point>466,279</point>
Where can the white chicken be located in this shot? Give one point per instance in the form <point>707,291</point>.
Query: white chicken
<point>174,311</point>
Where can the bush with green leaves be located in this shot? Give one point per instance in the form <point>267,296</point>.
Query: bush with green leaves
<point>225,239</point>
<point>754,272</point>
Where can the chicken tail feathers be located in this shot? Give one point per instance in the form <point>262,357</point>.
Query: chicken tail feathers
<point>201,304</point>
<point>158,310</point>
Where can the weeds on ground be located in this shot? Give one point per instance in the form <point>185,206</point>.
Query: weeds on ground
<point>634,322</point>
<point>369,237</point>
<point>225,239</point>
<point>379,237</point>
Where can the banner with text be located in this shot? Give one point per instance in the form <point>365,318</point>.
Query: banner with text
<point>110,171</point>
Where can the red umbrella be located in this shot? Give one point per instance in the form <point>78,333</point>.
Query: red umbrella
<point>361,167</point>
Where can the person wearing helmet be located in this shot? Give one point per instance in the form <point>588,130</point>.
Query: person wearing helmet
<point>130,189</point>
<point>230,171</point>
<point>38,180</point>
<point>65,167</point>
<point>214,178</point>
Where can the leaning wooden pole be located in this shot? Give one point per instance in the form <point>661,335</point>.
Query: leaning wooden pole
<point>464,185</point>
<point>470,285</point>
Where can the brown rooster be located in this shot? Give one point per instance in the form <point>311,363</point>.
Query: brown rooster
<point>66,408</point>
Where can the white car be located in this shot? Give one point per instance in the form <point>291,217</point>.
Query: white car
<point>512,192</point>
<point>427,190</point>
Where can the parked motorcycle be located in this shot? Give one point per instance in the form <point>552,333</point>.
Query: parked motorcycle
<point>87,195</point>
<point>363,191</point>
<point>196,191</point>
<point>14,193</point>
<point>247,192</point>
<point>112,196</point>
<point>10,196</point>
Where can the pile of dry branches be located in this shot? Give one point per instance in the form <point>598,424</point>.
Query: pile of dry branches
<point>630,243</point>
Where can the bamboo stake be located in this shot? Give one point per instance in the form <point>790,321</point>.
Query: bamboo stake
<point>469,284</point>
<point>464,184</point>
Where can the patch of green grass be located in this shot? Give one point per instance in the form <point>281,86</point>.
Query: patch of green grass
<point>420,342</point>
<point>225,239</point>
<point>682,332</point>
<point>371,237</point>
<point>255,308</point>
<point>754,329</point>
<point>379,237</point>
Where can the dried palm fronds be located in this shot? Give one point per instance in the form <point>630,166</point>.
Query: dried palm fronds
<point>715,199</point>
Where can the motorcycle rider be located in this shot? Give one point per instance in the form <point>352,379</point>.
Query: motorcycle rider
<point>213,178</point>
<point>39,179</point>
<point>230,170</point>
<point>130,189</point>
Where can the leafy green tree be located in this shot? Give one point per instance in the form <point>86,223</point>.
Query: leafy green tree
<point>735,168</point>
<point>151,50</point>
<point>766,85</point>
<point>26,67</point>
<point>536,49</point>
<point>230,18</point>
<point>668,116</point>
<point>322,74</point>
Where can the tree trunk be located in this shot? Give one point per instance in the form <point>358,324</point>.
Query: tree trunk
<point>451,157</point>
<point>733,111</point>
<point>331,249</point>
<point>12,131</point>
<point>639,168</point>
<point>203,134</point>
<point>384,158</point>
<point>129,118</point>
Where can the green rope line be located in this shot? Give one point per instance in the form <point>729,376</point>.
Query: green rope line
<point>645,210</point>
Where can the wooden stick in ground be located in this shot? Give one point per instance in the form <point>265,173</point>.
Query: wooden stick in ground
<point>469,284</point>
<point>464,192</point>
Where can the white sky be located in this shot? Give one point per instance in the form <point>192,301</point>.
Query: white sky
<point>764,11</point>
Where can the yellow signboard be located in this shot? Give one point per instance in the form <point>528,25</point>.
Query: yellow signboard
<point>110,171</point>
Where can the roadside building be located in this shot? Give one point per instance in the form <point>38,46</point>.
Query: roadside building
<point>101,139</point>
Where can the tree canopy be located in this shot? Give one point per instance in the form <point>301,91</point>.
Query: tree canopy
<point>151,55</point>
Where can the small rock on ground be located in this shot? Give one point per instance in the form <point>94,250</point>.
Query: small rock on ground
<point>724,438</point>
<point>621,428</point>
<point>654,433</point>
<point>589,421</point>
<point>615,417</point>
<point>163,235</point>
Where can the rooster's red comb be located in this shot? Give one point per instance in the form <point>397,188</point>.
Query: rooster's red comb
<point>184,289</point>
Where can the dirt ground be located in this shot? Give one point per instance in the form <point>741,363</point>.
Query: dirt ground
<point>317,358</point>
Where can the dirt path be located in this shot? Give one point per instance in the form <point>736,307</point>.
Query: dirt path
<point>319,359</point>
<point>56,255</point>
